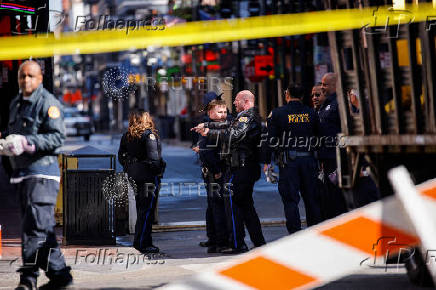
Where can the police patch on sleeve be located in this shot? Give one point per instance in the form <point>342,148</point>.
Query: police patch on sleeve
<point>152,137</point>
<point>53,112</point>
<point>243,119</point>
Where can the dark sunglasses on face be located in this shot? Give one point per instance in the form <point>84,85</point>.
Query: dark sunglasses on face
<point>316,95</point>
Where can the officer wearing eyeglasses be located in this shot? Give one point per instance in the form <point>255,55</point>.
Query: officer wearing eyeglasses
<point>318,96</point>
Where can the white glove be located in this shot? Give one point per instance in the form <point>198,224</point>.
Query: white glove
<point>271,176</point>
<point>17,144</point>
<point>333,177</point>
<point>4,149</point>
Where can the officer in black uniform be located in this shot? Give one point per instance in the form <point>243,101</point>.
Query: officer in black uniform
<point>140,155</point>
<point>240,139</point>
<point>207,98</point>
<point>292,131</point>
<point>330,126</point>
<point>214,168</point>
<point>197,141</point>
<point>330,122</point>
<point>36,129</point>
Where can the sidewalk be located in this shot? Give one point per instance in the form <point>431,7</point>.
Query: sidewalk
<point>123,267</point>
<point>180,230</point>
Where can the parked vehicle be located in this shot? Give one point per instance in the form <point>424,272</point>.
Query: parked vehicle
<point>78,123</point>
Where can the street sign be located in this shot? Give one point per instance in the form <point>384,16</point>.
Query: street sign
<point>263,65</point>
<point>250,74</point>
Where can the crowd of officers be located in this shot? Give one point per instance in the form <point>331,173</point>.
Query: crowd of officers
<point>299,138</point>
<point>231,151</point>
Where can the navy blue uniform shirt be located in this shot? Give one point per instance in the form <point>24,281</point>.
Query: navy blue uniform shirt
<point>330,125</point>
<point>293,126</point>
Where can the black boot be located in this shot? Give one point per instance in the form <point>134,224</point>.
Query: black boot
<point>239,250</point>
<point>58,280</point>
<point>26,284</point>
<point>28,277</point>
<point>150,250</point>
<point>206,244</point>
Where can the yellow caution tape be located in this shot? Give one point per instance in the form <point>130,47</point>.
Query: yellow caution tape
<point>90,42</point>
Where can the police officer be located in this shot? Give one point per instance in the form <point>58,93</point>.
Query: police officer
<point>207,98</point>
<point>330,122</point>
<point>330,126</point>
<point>292,131</point>
<point>140,155</point>
<point>318,96</point>
<point>36,129</point>
<point>213,168</point>
<point>240,139</point>
<point>210,224</point>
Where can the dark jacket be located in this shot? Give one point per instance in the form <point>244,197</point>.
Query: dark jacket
<point>40,119</point>
<point>194,135</point>
<point>210,156</point>
<point>141,158</point>
<point>240,137</point>
<point>293,126</point>
<point>330,126</point>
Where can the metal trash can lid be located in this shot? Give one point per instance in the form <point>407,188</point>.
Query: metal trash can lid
<point>89,151</point>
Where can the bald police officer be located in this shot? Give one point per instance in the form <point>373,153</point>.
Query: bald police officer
<point>240,141</point>
<point>35,130</point>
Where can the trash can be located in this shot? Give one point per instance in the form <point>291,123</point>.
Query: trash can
<point>88,215</point>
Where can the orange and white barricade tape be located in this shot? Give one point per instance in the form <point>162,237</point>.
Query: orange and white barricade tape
<point>319,254</point>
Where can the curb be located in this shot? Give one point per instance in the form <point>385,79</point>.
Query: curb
<point>199,225</point>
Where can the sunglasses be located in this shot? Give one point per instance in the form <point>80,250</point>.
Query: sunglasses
<point>316,95</point>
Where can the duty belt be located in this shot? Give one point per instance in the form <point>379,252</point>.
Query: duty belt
<point>300,153</point>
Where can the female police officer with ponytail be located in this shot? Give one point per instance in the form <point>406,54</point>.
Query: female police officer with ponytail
<point>140,156</point>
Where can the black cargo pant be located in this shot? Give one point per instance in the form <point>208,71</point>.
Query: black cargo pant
<point>210,225</point>
<point>146,199</point>
<point>239,198</point>
<point>300,176</point>
<point>333,201</point>
<point>40,249</point>
<point>216,223</point>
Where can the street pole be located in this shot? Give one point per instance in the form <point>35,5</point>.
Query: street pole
<point>42,26</point>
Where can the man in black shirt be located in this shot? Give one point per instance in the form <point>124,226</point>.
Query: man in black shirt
<point>293,134</point>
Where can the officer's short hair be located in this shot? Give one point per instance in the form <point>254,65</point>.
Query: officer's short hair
<point>296,91</point>
<point>215,103</point>
<point>29,62</point>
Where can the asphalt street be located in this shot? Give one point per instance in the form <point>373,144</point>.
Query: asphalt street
<point>182,197</point>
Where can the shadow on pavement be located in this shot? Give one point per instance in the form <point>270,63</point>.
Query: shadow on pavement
<point>10,218</point>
